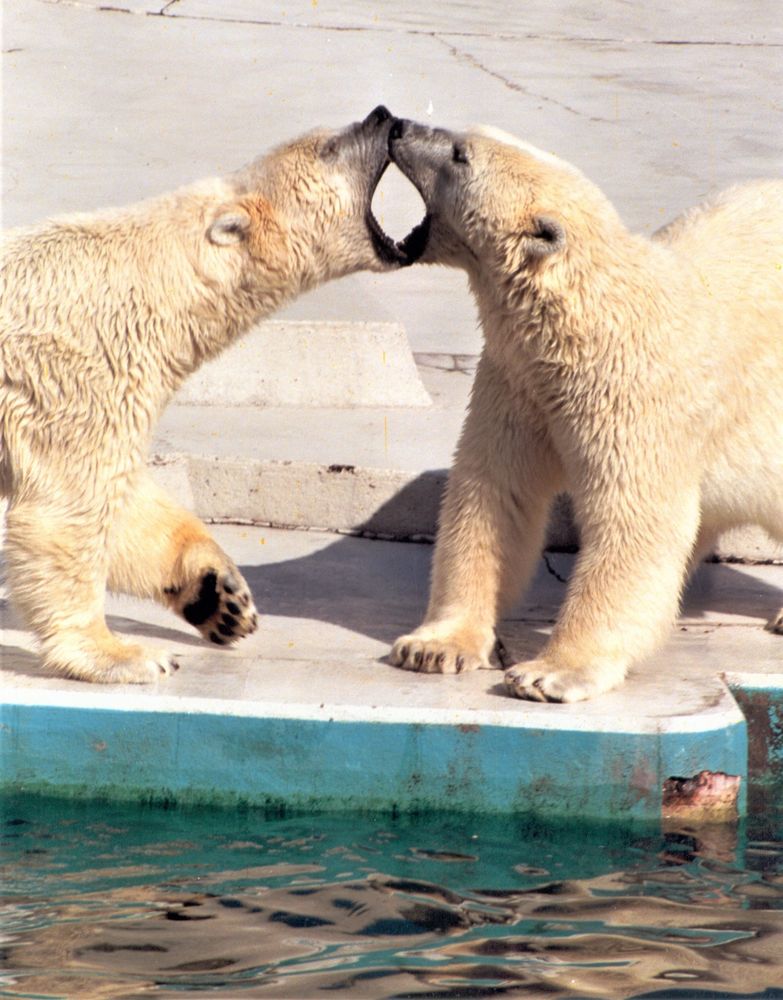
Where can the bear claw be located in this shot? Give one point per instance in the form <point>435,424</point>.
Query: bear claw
<point>435,656</point>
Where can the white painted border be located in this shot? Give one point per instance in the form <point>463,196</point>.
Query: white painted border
<point>531,716</point>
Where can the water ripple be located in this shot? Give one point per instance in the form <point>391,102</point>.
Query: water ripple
<point>107,901</point>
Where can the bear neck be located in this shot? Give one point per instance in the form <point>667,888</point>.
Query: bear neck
<point>568,313</point>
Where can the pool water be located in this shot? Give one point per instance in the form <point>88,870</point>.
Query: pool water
<point>105,900</point>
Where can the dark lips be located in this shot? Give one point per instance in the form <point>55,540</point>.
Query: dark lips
<point>403,252</point>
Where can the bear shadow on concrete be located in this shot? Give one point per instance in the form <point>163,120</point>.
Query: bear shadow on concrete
<point>380,588</point>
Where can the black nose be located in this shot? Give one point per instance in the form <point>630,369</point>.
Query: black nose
<point>378,116</point>
<point>397,129</point>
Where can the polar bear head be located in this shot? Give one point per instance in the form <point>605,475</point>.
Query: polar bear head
<point>303,210</point>
<point>495,205</point>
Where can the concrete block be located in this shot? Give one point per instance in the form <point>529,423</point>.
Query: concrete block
<point>323,364</point>
<point>749,544</point>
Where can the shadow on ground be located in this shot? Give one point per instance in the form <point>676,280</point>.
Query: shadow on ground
<point>380,588</point>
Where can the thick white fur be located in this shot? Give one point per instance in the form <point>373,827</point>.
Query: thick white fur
<point>643,376</point>
<point>102,316</point>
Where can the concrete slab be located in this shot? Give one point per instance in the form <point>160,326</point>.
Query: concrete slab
<point>658,104</point>
<point>106,103</point>
<point>338,365</point>
<point>308,713</point>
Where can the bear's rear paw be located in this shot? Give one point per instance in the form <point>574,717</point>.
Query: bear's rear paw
<point>430,651</point>
<point>146,667</point>
<point>109,662</point>
<point>218,604</point>
<point>540,680</point>
<point>775,625</point>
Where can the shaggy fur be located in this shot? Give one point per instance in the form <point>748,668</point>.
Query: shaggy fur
<point>645,377</point>
<point>102,316</point>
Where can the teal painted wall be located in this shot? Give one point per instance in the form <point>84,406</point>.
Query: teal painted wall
<point>199,758</point>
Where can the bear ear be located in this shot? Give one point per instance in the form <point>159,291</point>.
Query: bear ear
<point>546,236</point>
<point>229,228</point>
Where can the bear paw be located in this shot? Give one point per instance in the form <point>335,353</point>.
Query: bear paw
<point>108,662</point>
<point>775,625</point>
<point>218,604</point>
<point>146,667</point>
<point>541,680</point>
<point>429,653</point>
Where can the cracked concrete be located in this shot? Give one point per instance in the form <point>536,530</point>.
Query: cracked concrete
<point>657,104</point>
<point>475,63</point>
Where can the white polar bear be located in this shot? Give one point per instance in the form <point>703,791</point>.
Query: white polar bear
<point>643,376</point>
<point>102,316</point>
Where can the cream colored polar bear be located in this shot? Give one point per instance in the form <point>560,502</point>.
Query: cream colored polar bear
<point>102,316</point>
<point>644,377</point>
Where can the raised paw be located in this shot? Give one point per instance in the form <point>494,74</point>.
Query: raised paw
<point>218,604</point>
<point>429,653</point>
<point>775,625</point>
<point>540,680</point>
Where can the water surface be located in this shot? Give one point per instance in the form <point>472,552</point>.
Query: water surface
<point>122,901</point>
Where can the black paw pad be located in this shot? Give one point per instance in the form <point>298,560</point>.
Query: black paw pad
<point>206,604</point>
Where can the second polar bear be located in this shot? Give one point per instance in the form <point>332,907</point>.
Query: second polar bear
<point>102,316</point>
<point>645,377</point>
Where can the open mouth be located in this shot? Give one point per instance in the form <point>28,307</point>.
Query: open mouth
<point>400,252</point>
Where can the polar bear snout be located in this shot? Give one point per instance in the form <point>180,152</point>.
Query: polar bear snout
<point>436,162</point>
<point>420,152</point>
<point>378,116</point>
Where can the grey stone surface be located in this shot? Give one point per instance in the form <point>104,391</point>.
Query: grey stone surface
<point>339,365</point>
<point>377,469</point>
<point>658,103</point>
<point>107,103</point>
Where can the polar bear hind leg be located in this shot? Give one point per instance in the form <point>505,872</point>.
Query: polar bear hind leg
<point>56,572</point>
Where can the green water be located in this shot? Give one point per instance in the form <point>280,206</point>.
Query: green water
<point>107,901</point>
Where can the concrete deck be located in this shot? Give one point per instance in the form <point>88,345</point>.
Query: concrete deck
<point>307,712</point>
<point>109,101</point>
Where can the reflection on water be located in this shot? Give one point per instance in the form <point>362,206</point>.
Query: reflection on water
<point>108,901</point>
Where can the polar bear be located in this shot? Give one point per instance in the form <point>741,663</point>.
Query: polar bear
<point>102,316</point>
<point>643,376</point>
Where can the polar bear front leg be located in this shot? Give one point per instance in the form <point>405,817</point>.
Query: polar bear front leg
<point>622,598</point>
<point>492,525</point>
<point>56,573</point>
<point>159,550</point>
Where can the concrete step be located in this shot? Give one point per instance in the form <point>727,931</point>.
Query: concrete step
<point>335,426</point>
<point>307,712</point>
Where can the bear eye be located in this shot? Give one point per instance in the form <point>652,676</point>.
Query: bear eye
<point>458,154</point>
